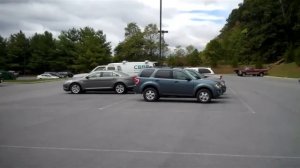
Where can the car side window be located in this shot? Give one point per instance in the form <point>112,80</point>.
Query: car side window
<point>179,75</point>
<point>94,75</point>
<point>107,74</point>
<point>167,74</point>
<point>119,68</point>
<point>111,68</point>
<point>146,72</point>
<point>99,68</point>
<point>203,70</point>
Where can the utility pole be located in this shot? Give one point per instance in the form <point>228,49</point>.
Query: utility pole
<point>160,32</point>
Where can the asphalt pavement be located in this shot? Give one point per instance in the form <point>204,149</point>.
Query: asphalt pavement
<point>255,124</point>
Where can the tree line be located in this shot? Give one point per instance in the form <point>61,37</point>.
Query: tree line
<point>257,32</point>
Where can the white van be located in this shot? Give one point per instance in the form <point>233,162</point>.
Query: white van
<point>131,68</point>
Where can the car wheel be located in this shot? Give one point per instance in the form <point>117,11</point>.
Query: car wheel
<point>261,74</point>
<point>120,88</point>
<point>75,88</point>
<point>204,96</point>
<point>150,94</point>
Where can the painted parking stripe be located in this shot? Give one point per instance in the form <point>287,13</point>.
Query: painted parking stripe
<point>152,152</point>
<point>241,100</point>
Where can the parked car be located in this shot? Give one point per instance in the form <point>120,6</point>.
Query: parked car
<point>54,74</point>
<point>46,76</point>
<point>66,74</point>
<point>131,68</point>
<point>15,73</point>
<point>6,75</point>
<point>154,83</point>
<point>100,80</point>
<point>206,71</point>
<point>251,71</point>
<point>1,77</point>
<point>201,76</point>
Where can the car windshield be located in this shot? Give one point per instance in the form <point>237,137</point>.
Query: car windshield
<point>190,75</point>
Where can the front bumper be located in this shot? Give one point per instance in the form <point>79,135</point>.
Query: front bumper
<point>66,87</point>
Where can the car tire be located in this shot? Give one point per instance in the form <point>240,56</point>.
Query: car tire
<point>75,88</point>
<point>120,88</point>
<point>204,96</point>
<point>261,74</point>
<point>150,94</point>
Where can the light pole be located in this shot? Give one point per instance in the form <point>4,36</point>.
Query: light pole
<point>162,35</point>
<point>160,32</point>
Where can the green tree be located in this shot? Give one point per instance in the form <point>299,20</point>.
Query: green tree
<point>18,52</point>
<point>42,49</point>
<point>66,49</point>
<point>3,53</point>
<point>151,37</point>
<point>92,50</point>
<point>193,58</point>
<point>132,48</point>
<point>132,29</point>
<point>213,52</point>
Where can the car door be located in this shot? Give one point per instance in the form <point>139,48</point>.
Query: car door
<point>182,84</point>
<point>164,81</point>
<point>91,81</point>
<point>107,80</point>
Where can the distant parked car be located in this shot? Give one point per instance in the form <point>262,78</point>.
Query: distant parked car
<point>6,75</point>
<point>46,76</point>
<point>66,74</point>
<point>154,83</point>
<point>100,80</point>
<point>250,71</point>
<point>54,74</point>
<point>206,71</point>
<point>1,77</point>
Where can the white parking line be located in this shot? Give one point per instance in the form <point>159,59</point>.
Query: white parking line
<point>244,103</point>
<point>110,105</point>
<point>152,152</point>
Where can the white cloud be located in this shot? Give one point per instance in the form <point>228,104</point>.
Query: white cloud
<point>192,22</point>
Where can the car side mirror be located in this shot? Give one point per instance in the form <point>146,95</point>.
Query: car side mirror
<point>188,79</point>
<point>87,77</point>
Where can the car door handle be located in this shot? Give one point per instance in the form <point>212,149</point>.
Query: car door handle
<point>176,82</point>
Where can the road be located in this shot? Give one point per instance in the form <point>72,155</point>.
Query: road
<point>255,124</point>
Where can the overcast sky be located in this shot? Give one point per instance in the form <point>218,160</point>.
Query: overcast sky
<point>189,22</point>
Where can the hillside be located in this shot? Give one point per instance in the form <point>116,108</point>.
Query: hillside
<point>258,32</point>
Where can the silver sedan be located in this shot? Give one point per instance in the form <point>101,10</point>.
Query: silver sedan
<point>101,80</point>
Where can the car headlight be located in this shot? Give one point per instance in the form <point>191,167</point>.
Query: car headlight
<point>68,81</point>
<point>218,85</point>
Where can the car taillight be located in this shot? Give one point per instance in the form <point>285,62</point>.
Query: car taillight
<point>136,80</point>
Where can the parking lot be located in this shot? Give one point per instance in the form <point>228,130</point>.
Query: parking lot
<point>256,123</point>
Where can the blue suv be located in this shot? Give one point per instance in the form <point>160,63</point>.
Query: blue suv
<point>154,83</point>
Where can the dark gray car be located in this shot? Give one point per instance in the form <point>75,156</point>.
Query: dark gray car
<point>100,80</point>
